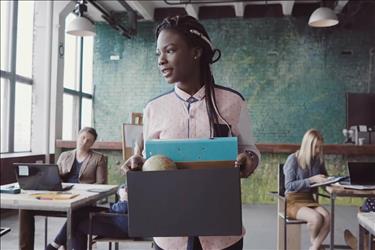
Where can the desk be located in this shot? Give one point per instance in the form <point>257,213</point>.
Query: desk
<point>25,201</point>
<point>366,223</point>
<point>337,191</point>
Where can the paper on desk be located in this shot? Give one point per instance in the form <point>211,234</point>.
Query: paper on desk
<point>357,187</point>
<point>330,180</point>
<point>54,196</point>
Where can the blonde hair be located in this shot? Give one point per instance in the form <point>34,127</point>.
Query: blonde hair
<point>307,152</point>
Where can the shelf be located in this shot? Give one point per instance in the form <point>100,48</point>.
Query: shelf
<point>335,149</point>
<point>98,145</point>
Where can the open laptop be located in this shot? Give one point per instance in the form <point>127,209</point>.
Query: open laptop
<point>361,176</point>
<point>186,202</point>
<point>39,176</point>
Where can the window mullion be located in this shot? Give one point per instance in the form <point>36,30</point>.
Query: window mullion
<point>12,80</point>
<point>80,84</point>
<point>23,79</point>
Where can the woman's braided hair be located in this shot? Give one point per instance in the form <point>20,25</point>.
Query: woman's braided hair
<point>196,36</point>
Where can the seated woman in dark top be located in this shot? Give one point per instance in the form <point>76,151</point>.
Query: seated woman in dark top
<point>115,227</point>
<point>302,169</point>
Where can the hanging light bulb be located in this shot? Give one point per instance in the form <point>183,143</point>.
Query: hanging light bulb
<point>81,25</point>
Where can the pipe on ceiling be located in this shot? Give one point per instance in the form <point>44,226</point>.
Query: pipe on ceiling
<point>108,17</point>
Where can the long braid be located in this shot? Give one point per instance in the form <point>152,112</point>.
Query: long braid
<point>196,36</point>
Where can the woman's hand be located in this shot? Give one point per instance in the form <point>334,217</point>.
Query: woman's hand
<point>134,163</point>
<point>318,178</point>
<point>246,164</point>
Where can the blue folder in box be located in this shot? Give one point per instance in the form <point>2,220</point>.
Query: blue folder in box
<point>190,150</point>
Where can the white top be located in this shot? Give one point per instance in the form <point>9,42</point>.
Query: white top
<point>178,115</point>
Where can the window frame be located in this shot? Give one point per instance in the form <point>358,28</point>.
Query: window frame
<point>78,94</point>
<point>13,79</point>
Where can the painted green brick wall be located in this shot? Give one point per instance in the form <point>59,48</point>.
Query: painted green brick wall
<point>293,77</point>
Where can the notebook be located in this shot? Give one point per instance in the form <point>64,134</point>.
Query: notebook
<point>185,202</point>
<point>362,176</point>
<point>39,176</point>
<point>190,150</point>
<point>330,180</point>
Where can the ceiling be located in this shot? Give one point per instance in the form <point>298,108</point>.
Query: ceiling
<point>147,10</point>
<point>157,10</point>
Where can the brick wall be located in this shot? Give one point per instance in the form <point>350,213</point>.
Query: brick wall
<point>294,77</point>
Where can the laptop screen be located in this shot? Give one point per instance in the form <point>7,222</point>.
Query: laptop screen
<point>38,176</point>
<point>362,173</point>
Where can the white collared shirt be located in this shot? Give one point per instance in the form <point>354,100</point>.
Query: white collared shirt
<point>172,116</point>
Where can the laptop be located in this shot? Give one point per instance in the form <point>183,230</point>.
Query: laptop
<point>39,176</point>
<point>204,202</point>
<point>361,176</point>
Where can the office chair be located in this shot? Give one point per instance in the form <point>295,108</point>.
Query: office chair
<point>282,216</point>
<point>110,240</point>
<point>4,230</point>
<point>281,211</point>
<point>131,134</point>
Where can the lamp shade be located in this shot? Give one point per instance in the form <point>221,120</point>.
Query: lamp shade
<point>80,26</point>
<point>323,17</point>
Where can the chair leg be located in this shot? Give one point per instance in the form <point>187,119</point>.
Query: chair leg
<point>109,245</point>
<point>90,230</point>
<point>285,234</point>
<point>117,245</point>
<point>45,231</point>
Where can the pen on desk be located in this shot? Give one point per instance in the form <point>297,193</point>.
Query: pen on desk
<point>44,198</point>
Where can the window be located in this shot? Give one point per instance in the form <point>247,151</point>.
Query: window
<point>17,23</point>
<point>78,85</point>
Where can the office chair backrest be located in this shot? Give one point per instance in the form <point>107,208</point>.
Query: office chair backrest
<point>131,134</point>
<point>106,166</point>
<point>281,181</point>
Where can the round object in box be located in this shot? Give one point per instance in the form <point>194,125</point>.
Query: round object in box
<point>159,163</point>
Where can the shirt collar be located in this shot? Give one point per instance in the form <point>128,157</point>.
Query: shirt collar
<point>199,95</point>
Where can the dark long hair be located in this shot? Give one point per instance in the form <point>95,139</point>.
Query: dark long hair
<point>196,36</point>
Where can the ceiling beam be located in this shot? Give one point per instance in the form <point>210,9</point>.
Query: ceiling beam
<point>340,6</point>
<point>287,7</point>
<point>239,9</point>
<point>143,8</point>
<point>192,10</point>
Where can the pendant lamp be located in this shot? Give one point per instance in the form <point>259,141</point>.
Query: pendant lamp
<point>323,17</point>
<point>80,25</point>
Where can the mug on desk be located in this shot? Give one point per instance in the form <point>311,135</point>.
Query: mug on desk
<point>361,141</point>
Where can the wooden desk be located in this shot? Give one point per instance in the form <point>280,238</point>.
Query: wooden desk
<point>25,201</point>
<point>337,191</point>
<point>366,223</point>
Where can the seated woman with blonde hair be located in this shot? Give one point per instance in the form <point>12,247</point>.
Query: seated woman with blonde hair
<point>302,169</point>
